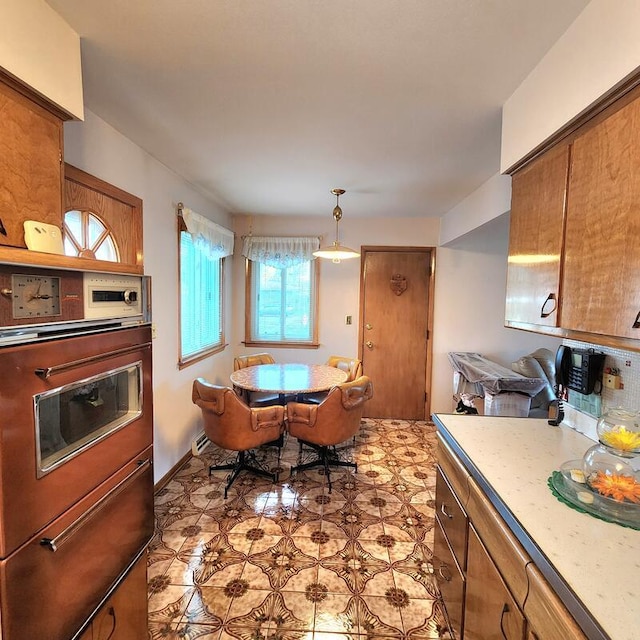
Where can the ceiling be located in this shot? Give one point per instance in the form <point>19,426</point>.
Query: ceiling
<point>265,105</point>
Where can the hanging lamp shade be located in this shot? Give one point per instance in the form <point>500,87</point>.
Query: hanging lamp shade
<point>336,252</point>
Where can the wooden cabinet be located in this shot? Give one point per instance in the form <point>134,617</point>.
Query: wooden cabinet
<point>602,252</point>
<point>30,165</point>
<point>34,185</point>
<point>548,618</point>
<point>538,195</point>
<point>450,579</point>
<point>490,586</point>
<point>490,611</point>
<point>124,615</point>
<point>574,230</point>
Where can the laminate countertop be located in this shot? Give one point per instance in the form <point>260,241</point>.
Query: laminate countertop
<point>593,565</point>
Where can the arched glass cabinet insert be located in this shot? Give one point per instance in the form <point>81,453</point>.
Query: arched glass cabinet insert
<point>87,236</point>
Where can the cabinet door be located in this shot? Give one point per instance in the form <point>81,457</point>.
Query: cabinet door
<point>30,166</point>
<point>602,252</point>
<point>547,617</point>
<point>124,615</point>
<point>449,578</point>
<point>490,611</point>
<point>535,239</point>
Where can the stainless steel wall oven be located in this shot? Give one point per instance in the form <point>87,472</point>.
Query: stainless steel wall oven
<point>76,480</point>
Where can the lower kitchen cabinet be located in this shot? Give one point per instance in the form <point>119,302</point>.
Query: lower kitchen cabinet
<point>450,579</point>
<point>124,615</point>
<point>490,586</point>
<point>490,610</point>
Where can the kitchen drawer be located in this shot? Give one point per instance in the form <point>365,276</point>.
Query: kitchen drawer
<point>452,517</point>
<point>70,565</point>
<point>548,618</point>
<point>457,475</point>
<point>504,548</point>
<point>450,580</point>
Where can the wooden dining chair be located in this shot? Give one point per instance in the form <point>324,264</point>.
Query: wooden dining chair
<point>255,398</point>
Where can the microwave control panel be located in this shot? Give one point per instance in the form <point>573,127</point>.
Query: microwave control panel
<point>108,295</point>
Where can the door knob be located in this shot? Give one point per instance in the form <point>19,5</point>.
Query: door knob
<point>369,344</point>
<point>368,326</point>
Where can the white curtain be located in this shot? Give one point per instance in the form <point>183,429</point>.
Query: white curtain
<point>210,238</point>
<point>280,252</point>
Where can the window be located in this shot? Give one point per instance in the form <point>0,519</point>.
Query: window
<point>87,236</point>
<point>201,291</point>
<point>282,304</point>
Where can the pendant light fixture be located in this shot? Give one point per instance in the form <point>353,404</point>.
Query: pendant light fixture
<point>336,252</point>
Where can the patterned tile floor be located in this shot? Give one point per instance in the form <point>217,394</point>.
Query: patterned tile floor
<point>291,561</point>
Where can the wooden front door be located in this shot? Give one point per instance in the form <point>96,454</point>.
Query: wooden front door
<point>396,298</point>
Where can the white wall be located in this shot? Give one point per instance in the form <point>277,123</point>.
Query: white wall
<point>97,148</point>
<point>598,51</point>
<point>469,313</point>
<point>39,48</point>
<point>490,200</point>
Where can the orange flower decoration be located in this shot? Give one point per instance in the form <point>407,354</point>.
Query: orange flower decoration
<point>616,486</point>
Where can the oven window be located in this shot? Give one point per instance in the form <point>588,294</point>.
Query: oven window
<point>71,418</point>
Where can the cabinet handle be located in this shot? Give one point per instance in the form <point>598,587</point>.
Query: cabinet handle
<point>636,324</point>
<point>445,576</point>
<point>111,612</point>
<point>505,609</point>
<point>550,298</point>
<point>443,510</point>
<point>54,544</point>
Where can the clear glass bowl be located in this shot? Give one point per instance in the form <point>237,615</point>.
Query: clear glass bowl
<point>619,430</point>
<point>571,484</point>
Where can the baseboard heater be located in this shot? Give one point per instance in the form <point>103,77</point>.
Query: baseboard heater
<point>200,443</point>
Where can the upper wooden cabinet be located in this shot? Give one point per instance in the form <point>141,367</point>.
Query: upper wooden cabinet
<point>574,233</point>
<point>34,185</point>
<point>538,195</point>
<point>602,248</point>
<point>30,165</point>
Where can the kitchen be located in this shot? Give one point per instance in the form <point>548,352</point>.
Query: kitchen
<point>467,264</point>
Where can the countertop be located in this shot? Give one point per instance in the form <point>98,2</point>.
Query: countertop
<point>595,565</point>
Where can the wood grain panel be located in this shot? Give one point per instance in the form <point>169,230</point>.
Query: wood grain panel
<point>452,517</point>
<point>450,580</point>
<point>602,252</point>
<point>548,617</point>
<point>30,165</point>
<point>457,476</point>
<point>490,612</point>
<point>535,238</point>
<point>507,553</point>
<point>119,210</point>
<point>71,295</point>
<point>394,331</point>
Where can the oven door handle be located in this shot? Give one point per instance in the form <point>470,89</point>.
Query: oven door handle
<point>53,544</point>
<point>47,372</point>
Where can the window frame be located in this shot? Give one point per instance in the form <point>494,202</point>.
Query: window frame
<point>250,341</point>
<point>205,352</point>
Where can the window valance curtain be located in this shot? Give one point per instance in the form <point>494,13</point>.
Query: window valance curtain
<point>280,252</point>
<point>210,238</point>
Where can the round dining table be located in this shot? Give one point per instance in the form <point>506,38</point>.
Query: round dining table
<point>288,379</point>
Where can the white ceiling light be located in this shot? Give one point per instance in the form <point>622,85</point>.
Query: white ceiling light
<point>336,252</point>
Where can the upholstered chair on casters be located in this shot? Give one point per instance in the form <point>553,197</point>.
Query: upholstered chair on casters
<point>335,420</point>
<point>255,398</point>
<point>230,424</point>
<point>351,366</point>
